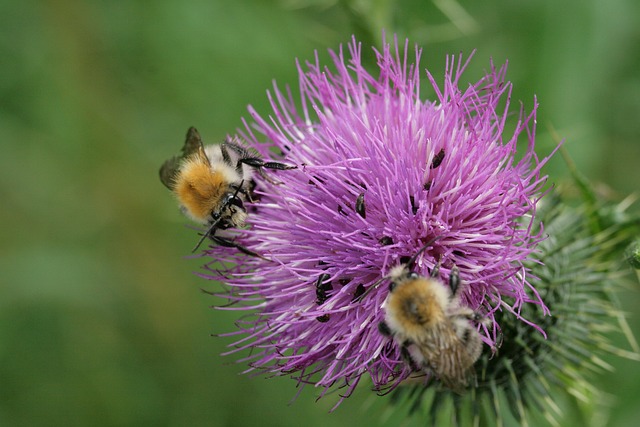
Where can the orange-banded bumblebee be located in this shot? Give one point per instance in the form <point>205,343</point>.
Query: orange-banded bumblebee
<point>212,183</point>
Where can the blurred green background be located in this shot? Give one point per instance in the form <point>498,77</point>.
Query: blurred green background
<point>102,319</point>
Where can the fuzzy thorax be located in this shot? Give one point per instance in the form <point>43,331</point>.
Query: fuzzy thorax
<point>200,189</point>
<point>416,304</point>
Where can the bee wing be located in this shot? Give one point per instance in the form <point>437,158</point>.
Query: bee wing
<point>168,171</point>
<point>447,357</point>
<point>192,146</point>
<point>193,143</point>
<point>455,368</point>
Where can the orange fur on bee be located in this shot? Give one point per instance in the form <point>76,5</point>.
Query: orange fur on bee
<point>199,189</point>
<point>418,304</point>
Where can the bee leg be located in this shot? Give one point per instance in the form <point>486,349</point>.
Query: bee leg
<point>436,270</point>
<point>454,280</point>
<point>404,348</point>
<point>256,162</point>
<point>260,165</point>
<point>384,329</point>
<point>468,314</point>
<point>267,178</point>
<point>279,166</point>
<point>211,231</point>
<point>249,192</point>
<point>406,356</point>
<point>222,241</point>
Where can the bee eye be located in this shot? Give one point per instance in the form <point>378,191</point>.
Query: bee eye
<point>236,201</point>
<point>413,275</point>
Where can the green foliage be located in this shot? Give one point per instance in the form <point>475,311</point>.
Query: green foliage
<point>632,254</point>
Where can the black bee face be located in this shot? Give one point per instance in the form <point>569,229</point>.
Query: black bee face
<point>233,212</point>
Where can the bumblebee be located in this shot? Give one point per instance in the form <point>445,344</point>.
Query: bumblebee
<point>212,183</point>
<point>436,333</point>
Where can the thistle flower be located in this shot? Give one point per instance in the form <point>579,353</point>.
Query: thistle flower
<point>381,173</point>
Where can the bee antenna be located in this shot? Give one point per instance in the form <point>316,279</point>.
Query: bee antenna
<point>234,195</point>
<point>369,289</point>
<point>413,259</point>
<point>214,223</point>
<point>205,234</point>
<point>409,265</point>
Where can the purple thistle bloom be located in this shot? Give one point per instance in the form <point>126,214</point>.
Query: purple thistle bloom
<point>381,173</point>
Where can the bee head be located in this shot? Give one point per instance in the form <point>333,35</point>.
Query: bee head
<point>404,271</point>
<point>400,274</point>
<point>233,212</point>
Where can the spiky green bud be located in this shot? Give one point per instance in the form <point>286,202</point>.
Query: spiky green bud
<point>632,254</point>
